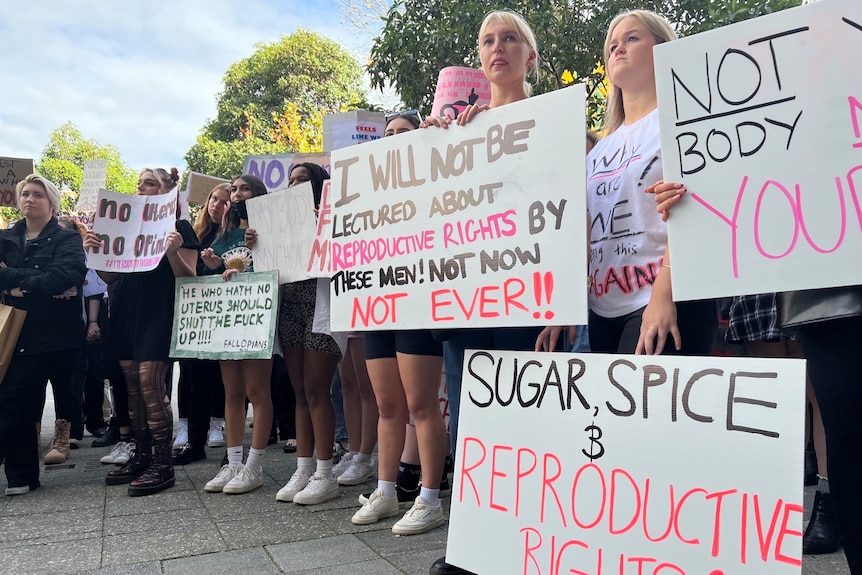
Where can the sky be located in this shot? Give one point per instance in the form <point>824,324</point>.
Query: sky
<point>141,75</point>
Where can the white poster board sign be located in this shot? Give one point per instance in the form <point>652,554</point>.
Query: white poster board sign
<point>285,225</point>
<point>133,231</point>
<point>349,133</point>
<point>472,226</point>
<point>95,178</point>
<point>761,122</point>
<point>217,319</point>
<point>594,464</point>
<point>319,265</point>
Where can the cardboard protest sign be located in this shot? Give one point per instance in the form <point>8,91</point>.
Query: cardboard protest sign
<point>474,226</point>
<point>217,319</point>
<point>133,230</point>
<point>285,225</point>
<point>199,187</point>
<point>12,171</point>
<point>459,87</point>
<point>274,170</point>
<point>761,122</point>
<point>95,178</point>
<point>597,464</point>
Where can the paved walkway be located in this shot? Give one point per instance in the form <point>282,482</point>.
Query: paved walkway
<point>76,524</point>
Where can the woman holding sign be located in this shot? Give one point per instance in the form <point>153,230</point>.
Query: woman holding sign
<point>631,312</point>
<point>141,328</point>
<point>39,260</point>
<point>229,255</point>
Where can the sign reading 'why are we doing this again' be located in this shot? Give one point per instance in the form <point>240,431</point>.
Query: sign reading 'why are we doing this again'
<point>762,122</point>
<point>469,226</point>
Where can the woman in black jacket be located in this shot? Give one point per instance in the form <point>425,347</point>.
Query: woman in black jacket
<point>39,260</point>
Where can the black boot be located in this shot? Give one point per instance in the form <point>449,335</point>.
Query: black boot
<point>440,567</point>
<point>821,535</point>
<point>158,476</point>
<point>132,469</point>
<point>111,435</point>
<point>810,465</point>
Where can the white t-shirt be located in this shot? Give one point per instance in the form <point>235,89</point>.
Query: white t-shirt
<point>627,236</point>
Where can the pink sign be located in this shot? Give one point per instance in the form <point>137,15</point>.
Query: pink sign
<point>458,87</point>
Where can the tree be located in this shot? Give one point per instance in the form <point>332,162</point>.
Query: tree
<point>422,36</point>
<point>62,162</point>
<point>274,102</point>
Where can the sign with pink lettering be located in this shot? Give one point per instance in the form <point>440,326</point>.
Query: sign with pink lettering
<point>470,226</point>
<point>761,123</point>
<point>459,87</point>
<point>607,464</point>
<point>133,231</point>
<point>285,225</point>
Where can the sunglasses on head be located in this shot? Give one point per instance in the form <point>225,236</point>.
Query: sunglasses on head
<point>402,114</point>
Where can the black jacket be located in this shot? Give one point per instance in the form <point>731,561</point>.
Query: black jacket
<point>43,268</point>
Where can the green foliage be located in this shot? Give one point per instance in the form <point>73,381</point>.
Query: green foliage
<point>422,36</point>
<point>62,162</point>
<point>273,102</point>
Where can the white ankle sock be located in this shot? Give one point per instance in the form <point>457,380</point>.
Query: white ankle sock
<point>255,459</point>
<point>324,467</point>
<point>234,456</point>
<point>430,496</point>
<point>362,458</point>
<point>387,488</point>
<point>305,464</point>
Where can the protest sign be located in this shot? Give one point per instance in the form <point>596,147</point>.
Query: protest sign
<point>12,171</point>
<point>475,226</point>
<point>95,178</point>
<point>285,225</point>
<point>199,187</point>
<point>133,231</point>
<point>217,319</point>
<point>274,170</point>
<point>761,122</point>
<point>349,128</point>
<point>459,87</point>
<point>599,464</point>
<point>319,265</point>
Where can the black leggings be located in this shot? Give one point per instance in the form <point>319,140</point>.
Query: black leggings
<point>832,349</point>
<point>697,322</point>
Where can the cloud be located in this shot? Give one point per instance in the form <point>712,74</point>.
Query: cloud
<point>143,76</point>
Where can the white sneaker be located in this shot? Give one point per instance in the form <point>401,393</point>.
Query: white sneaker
<point>359,472</point>
<point>217,483</point>
<point>377,508</point>
<point>342,465</point>
<point>182,433</point>
<point>120,454</point>
<point>216,435</point>
<point>319,489</point>
<point>421,518</point>
<point>246,480</point>
<point>297,482</point>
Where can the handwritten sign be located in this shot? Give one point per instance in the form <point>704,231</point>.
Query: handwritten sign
<point>217,319</point>
<point>12,171</point>
<point>199,187</point>
<point>95,177</point>
<point>763,124</point>
<point>274,170</point>
<point>459,87</point>
<point>661,465</point>
<point>286,226</point>
<point>349,133</point>
<point>133,231</point>
<point>319,264</point>
<point>480,225</point>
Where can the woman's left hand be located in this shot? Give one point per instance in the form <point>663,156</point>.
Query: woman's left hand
<point>470,112</point>
<point>658,321</point>
<point>229,273</point>
<point>175,242</point>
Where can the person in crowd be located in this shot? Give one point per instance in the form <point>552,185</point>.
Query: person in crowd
<point>311,359</point>
<point>405,367</point>
<point>201,393</point>
<point>39,260</point>
<point>142,320</point>
<point>508,54</point>
<point>229,255</point>
<point>643,319</point>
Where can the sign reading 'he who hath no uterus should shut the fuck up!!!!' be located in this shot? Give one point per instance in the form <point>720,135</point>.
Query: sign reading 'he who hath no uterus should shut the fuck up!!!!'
<point>628,465</point>
<point>762,122</point>
<point>470,226</point>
